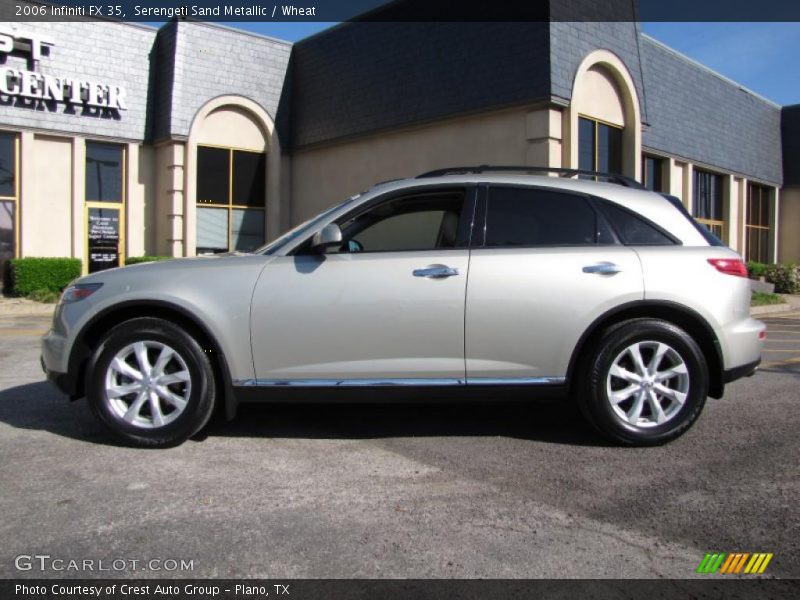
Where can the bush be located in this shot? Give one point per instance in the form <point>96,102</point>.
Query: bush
<point>45,296</point>
<point>135,260</point>
<point>784,277</point>
<point>29,275</point>
<point>756,269</point>
<point>764,299</point>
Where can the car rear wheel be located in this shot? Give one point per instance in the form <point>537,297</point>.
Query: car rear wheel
<point>151,383</point>
<point>645,382</point>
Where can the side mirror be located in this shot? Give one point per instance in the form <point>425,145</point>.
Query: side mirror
<point>330,235</point>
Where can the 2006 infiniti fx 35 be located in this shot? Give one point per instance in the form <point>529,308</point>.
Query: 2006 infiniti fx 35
<point>472,282</point>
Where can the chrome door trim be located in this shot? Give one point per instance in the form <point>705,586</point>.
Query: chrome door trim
<point>515,380</point>
<point>398,382</point>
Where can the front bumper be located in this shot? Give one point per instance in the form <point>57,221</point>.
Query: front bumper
<point>63,381</point>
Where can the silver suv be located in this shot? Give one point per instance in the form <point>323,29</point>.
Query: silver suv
<point>484,282</point>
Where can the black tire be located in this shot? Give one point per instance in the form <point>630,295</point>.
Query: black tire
<point>200,394</point>
<point>593,397</point>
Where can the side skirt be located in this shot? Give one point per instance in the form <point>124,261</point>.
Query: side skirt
<point>399,391</point>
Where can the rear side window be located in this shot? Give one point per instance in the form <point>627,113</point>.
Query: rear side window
<point>634,230</point>
<point>532,217</point>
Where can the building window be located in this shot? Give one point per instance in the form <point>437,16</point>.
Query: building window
<point>599,146</point>
<point>757,230</point>
<point>230,199</point>
<point>9,195</point>
<point>708,205</point>
<point>653,173</point>
<point>105,210</point>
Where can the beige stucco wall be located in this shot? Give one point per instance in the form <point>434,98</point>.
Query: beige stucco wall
<point>600,97</point>
<point>46,196</point>
<point>322,176</point>
<point>789,225</point>
<point>140,193</point>
<point>168,200</point>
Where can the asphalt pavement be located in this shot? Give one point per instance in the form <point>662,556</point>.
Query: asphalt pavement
<point>461,490</point>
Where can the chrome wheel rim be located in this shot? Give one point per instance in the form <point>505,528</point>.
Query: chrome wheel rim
<point>147,384</point>
<point>647,384</point>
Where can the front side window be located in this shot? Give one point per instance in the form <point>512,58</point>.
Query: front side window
<point>518,217</point>
<point>429,221</point>
<point>599,146</point>
<point>231,199</point>
<point>8,197</point>
<point>757,223</point>
<point>708,205</point>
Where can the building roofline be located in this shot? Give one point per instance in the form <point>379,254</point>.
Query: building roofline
<point>215,25</point>
<point>709,70</point>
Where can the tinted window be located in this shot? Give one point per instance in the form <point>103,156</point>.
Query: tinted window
<point>8,166</point>
<point>248,178</point>
<point>586,144</point>
<point>529,217</point>
<point>426,222</point>
<point>103,172</point>
<point>213,170</point>
<point>632,229</point>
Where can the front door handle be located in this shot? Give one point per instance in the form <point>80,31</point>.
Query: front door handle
<point>602,268</point>
<point>435,272</point>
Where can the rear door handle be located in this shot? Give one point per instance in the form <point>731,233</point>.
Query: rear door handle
<point>602,268</point>
<point>435,272</point>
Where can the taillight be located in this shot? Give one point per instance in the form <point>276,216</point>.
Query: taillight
<point>729,266</point>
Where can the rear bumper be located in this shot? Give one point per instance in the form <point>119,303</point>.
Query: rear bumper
<point>743,371</point>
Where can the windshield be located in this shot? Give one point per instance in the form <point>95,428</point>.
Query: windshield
<point>301,229</point>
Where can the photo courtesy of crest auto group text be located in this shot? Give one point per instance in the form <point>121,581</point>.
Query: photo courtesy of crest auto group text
<point>369,298</point>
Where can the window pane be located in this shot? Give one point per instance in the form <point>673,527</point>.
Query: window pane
<point>586,144</point>
<point>212,230</point>
<point>632,229</point>
<point>247,229</point>
<point>609,149</point>
<point>707,195</point>
<point>248,178</point>
<point>652,173</point>
<point>103,172</point>
<point>418,223</point>
<point>7,237</point>
<point>213,166</point>
<point>8,167</point>
<point>527,217</point>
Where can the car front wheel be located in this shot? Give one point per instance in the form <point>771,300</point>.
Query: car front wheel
<point>645,382</point>
<point>151,383</point>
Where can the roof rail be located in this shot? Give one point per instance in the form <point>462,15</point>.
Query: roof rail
<point>561,172</point>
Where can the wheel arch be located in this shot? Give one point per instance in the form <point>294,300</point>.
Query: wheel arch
<point>682,316</point>
<point>92,332</point>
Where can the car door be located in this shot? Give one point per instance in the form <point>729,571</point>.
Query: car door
<point>546,267</point>
<point>387,306</point>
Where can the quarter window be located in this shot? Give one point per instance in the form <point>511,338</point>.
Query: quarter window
<point>632,229</point>
<point>707,208</point>
<point>230,199</point>
<point>533,217</point>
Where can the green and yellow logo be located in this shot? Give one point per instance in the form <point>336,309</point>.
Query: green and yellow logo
<point>736,563</point>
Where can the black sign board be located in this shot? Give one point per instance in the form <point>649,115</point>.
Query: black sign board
<point>103,232</point>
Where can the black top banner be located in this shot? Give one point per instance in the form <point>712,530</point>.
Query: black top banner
<point>402,10</point>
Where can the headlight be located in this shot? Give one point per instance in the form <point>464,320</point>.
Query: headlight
<point>79,291</point>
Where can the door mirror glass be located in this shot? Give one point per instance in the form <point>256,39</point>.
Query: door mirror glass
<point>327,237</point>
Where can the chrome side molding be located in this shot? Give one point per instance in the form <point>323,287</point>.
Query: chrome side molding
<point>398,382</point>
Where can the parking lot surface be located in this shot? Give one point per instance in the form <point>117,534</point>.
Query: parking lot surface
<point>460,490</point>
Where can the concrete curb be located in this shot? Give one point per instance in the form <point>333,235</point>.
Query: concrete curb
<point>770,309</point>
